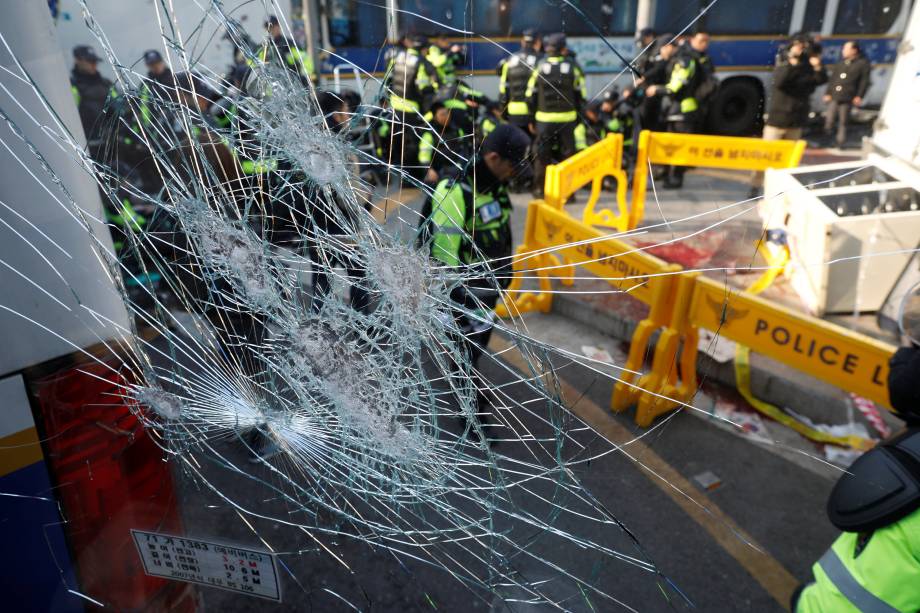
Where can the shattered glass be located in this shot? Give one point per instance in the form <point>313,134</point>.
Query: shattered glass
<point>348,428</point>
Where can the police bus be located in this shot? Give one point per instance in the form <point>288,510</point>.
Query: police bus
<point>745,37</point>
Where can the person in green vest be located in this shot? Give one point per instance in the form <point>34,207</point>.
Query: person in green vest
<point>874,565</point>
<point>446,57</point>
<point>445,144</point>
<point>556,93</point>
<point>411,83</point>
<point>491,119</point>
<point>690,81</point>
<point>285,52</point>
<point>514,73</point>
<point>470,233</point>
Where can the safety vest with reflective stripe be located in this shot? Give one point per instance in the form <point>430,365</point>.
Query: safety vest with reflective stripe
<point>293,57</point>
<point>556,90</point>
<point>445,138</point>
<point>581,137</point>
<point>461,218</point>
<point>443,63</point>
<point>411,77</point>
<point>884,576</point>
<point>512,87</point>
<point>488,125</point>
<point>681,82</point>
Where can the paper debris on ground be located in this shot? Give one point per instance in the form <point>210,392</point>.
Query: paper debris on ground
<point>708,480</point>
<point>743,418</point>
<point>596,353</point>
<point>717,347</point>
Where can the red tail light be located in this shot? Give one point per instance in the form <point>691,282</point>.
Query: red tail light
<point>111,477</point>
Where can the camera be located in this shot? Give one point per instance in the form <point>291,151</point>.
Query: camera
<point>810,48</point>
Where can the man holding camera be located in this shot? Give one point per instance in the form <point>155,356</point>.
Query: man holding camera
<point>798,73</point>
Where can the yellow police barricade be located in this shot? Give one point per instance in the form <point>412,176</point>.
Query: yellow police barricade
<point>846,359</point>
<point>625,267</point>
<point>703,150</point>
<point>551,236</point>
<point>591,166</point>
<point>531,260</point>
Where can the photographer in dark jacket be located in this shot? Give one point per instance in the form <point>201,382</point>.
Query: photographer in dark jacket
<point>797,74</point>
<point>849,80</point>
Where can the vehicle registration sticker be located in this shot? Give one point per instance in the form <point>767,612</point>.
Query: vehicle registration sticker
<point>223,566</point>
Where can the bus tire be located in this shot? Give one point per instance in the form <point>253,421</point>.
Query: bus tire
<point>737,108</point>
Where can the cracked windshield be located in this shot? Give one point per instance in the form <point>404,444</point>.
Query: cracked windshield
<point>460,305</point>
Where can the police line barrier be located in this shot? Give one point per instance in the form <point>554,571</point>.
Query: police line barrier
<point>605,159</point>
<point>703,150</point>
<point>681,303</point>
<point>845,359</point>
<point>590,167</point>
<point>551,234</point>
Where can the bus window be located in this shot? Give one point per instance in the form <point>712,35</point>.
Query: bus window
<point>606,16</point>
<point>485,17</point>
<point>813,20</point>
<point>511,17</point>
<point>761,17</point>
<point>356,24</point>
<point>866,16</point>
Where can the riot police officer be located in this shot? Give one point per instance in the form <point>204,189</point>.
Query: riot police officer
<point>471,221</point>
<point>690,72</point>
<point>556,91</point>
<point>412,83</point>
<point>286,53</point>
<point>446,144</point>
<point>446,57</point>
<point>515,72</point>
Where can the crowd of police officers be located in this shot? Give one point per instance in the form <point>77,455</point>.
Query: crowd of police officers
<point>542,90</point>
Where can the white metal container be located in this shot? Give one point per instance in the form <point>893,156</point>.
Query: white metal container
<point>852,227</point>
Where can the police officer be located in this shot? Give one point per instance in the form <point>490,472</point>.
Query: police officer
<point>688,70</point>
<point>412,83</point>
<point>647,43</point>
<point>445,145</point>
<point>491,119</point>
<point>91,91</point>
<point>284,51</point>
<point>556,92</point>
<point>471,221</point>
<point>515,72</point>
<point>161,81</point>
<point>464,103</point>
<point>657,71</point>
<point>874,565</point>
<point>411,79</point>
<point>446,58</point>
